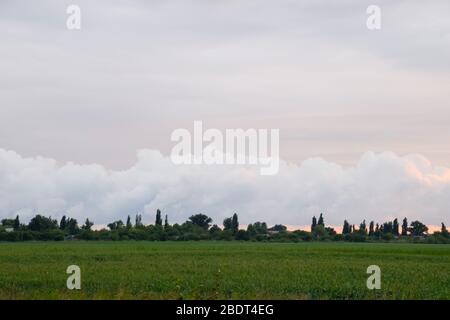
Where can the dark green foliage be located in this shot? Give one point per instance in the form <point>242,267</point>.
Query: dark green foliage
<point>87,225</point>
<point>330,231</point>
<point>72,227</point>
<point>166,222</point>
<point>227,224</point>
<point>321,222</point>
<point>234,224</point>
<point>201,220</point>
<point>395,230</point>
<point>63,223</point>
<point>8,223</point>
<point>129,225</point>
<point>377,232</point>
<point>16,223</point>
<point>198,228</point>
<point>257,228</point>
<point>215,232</point>
<point>115,225</point>
<point>138,221</point>
<point>444,231</point>
<point>158,220</point>
<point>41,223</point>
<point>319,232</point>
<point>405,227</point>
<point>363,228</point>
<point>371,229</point>
<point>346,228</point>
<point>314,223</point>
<point>231,224</point>
<point>278,227</point>
<point>417,228</point>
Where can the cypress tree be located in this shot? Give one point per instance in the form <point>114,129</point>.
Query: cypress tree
<point>444,230</point>
<point>371,231</point>
<point>314,223</point>
<point>87,225</point>
<point>166,222</point>
<point>138,221</point>
<point>158,220</point>
<point>63,223</point>
<point>321,222</point>
<point>235,223</point>
<point>362,227</point>
<point>17,223</point>
<point>345,228</point>
<point>129,225</point>
<point>72,226</point>
<point>395,227</point>
<point>377,230</point>
<point>405,227</point>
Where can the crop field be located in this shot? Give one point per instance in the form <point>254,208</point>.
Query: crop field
<point>223,270</point>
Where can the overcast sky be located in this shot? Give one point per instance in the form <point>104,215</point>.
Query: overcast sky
<point>137,70</point>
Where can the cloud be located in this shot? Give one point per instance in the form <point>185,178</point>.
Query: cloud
<point>139,69</point>
<point>381,186</point>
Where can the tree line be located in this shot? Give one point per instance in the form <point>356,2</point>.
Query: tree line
<point>201,227</point>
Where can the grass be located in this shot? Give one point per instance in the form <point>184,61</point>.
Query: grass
<point>223,270</point>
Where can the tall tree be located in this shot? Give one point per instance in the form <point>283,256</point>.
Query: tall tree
<point>405,227</point>
<point>444,230</point>
<point>138,221</point>
<point>387,227</point>
<point>158,220</point>
<point>320,222</point>
<point>72,226</point>
<point>363,227</point>
<point>314,223</point>
<point>16,225</point>
<point>371,230</point>
<point>377,230</point>
<point>228,224</point>
<point>235,224</point>
<point>166,222</point>
<point>346,227</point>
<point>129,225</point>
<point>87,225</point>
<point>395,227</point>
<point>63,223</point>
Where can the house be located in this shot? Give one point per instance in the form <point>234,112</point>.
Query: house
<point>9,229</point>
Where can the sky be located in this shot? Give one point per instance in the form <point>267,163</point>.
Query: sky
<point>86,115</point>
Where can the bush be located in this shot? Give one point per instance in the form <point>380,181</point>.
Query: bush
<point>387,236</point>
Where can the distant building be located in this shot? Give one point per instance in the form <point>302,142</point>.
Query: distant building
<point>9,229</point>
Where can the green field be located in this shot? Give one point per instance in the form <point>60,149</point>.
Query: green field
<point>223,270</point>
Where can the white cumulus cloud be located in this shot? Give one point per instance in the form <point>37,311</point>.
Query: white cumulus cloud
<point>379,187</point>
